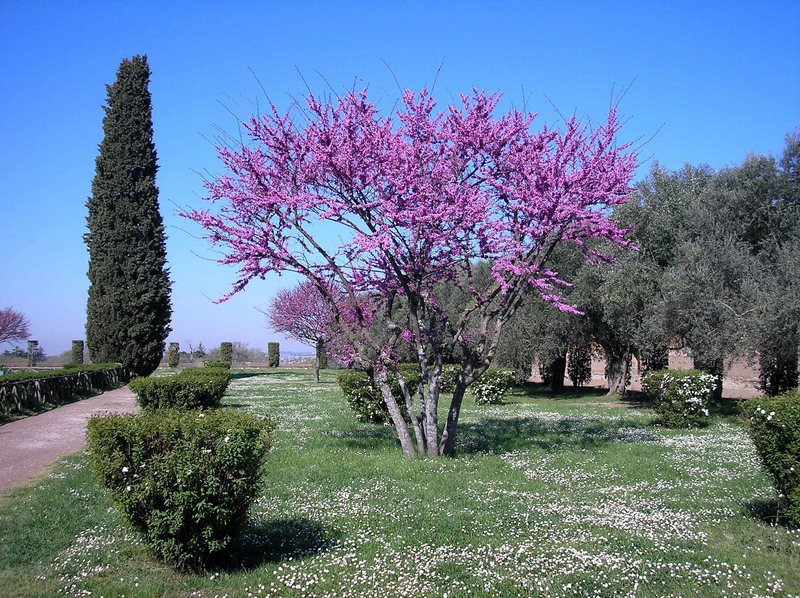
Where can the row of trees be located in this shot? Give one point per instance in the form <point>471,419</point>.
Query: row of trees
<point>716,271</point>
<point>450,236</point>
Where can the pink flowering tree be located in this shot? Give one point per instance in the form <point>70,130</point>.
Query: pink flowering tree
<point>390,209</point>
<point>303,314</point>
<point>14,326</point>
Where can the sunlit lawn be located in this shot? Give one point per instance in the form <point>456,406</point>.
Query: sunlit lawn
<point>565,497</point>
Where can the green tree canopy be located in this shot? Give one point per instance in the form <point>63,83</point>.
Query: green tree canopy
<point>128,310</point>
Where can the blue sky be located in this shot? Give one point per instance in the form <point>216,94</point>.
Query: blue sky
<point>709,83</point>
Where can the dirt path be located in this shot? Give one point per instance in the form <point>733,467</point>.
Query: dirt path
<point>29,446</point>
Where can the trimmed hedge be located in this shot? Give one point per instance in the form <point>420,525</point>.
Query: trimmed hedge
<point>226,352</point>
<point>194,388</point>
<point>33,390</point>
<point>69,368</point>
<point>680,397</point>
<point>365,399</point>
<point>211,364</point>
<point>492,386</point>
<point>775,431</point>
<point>273,355</point>
<point>184,480</point>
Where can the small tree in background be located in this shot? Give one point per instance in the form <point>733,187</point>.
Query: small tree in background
<point>14,326</point>
<point>274,355</point>
<point>33,352</point>
<point>302,313</point>
<point>226,352</point>
<point>76,355</point>
<point>174,355</point>
<point>128,310</point>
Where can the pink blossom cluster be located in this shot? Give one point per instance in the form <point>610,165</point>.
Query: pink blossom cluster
<point>415,196</point>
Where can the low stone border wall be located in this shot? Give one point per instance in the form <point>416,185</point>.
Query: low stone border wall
<point>33,393</point>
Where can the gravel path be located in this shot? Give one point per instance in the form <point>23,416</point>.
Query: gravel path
<point>29,446</point>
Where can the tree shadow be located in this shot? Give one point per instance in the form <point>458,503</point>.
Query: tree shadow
<point>242,375</point>
<point>496,435</point>
<point>765,510</point>
<point>537,390</point>
<point>364,439</point>
<point>272,541</point>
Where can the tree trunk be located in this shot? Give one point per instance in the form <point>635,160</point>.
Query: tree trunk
<point>447,444</point>
<point>618,367</point>
<point>557,370</point>
<point>407,444</point>
<point>318,358</point>
<point>432,415</point>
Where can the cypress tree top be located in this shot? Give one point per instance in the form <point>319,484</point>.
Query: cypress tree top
<point>128,310</point>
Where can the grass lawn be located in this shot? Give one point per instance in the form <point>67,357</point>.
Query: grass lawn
<point>547,497</point>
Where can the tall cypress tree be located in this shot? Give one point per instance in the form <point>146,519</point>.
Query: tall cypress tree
<point>128,311</point>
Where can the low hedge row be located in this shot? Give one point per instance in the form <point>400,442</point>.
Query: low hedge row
<point>34,390</point>
<point>75,368</point>
<point>183,479</point>
<point>194,388</point>
<point>775,431</point>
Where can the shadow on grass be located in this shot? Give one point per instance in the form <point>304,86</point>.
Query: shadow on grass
<point>242,375</point>
<point>496,435</point>
<point>365,438</point>
<point>279,540</point>
<point>536,390</point>
<point>767,511</point>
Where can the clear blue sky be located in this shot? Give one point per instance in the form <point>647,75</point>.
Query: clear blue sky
<point>713,81</point>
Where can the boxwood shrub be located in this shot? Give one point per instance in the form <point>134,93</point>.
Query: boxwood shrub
<point>491,387</point>
<point>680,397</point>
<point>194,388</point>
<point>775,431</point>
<point>184,480</point>
<point>365,399</point>
<point>216,364</point>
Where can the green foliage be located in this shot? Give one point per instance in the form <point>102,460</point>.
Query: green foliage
<point>76,355</point>
<point>579,366</point>
<point>775,431</point>
<point>69,368</point>
<point>194,388</point>
<point>492,386</point>
<point>213,364</point>
<point>226,352</point>
<point>364,397</point>
<point>174,355</point>
<point>680,397</point>
<point>449,377</point>
<point>184,479</point>
<point>128,309</point>
<point>273,354</point>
